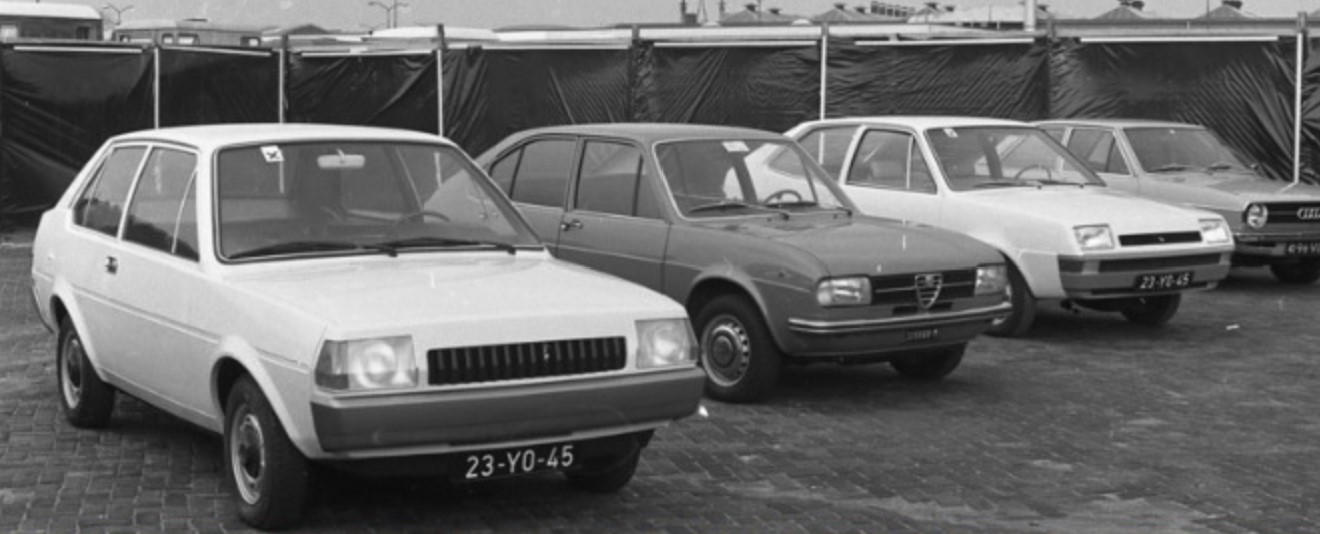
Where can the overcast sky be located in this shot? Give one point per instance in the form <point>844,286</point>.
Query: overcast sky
<point>359,14</point>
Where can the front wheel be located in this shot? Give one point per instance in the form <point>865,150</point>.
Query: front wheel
<point>607,475</point>
<point>86,401</point>
<point>930,367</point>
<point>267,473</point>
<point>1301,273</point>
<point>1152,311</point>
<point>741,361</point>
<point>1023,315</point>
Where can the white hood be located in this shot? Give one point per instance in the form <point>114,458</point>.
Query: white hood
<point>1074,206</point>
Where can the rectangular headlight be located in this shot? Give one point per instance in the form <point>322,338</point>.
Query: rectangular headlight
<point>1094,237</point>
<point>367,364</point>
<point>1215,231</point>
<point>991,279</point>
<point>852,291</point>
<point>665,343</point>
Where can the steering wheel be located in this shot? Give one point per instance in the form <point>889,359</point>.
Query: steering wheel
<point>782,193</point>
<point>1049,175</point>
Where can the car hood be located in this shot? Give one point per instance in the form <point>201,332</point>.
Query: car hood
<point>382,293</point>
<point>862,244</point>
<point>1233,190</point>
<point>1073,206</point>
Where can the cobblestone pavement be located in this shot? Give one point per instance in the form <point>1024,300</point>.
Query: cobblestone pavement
<point>1088,425</point>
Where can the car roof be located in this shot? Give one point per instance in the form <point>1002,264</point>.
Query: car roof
<point>1119,123</point>
<point>221,135</point>
<point>650,132</point>
<point>920,122</point>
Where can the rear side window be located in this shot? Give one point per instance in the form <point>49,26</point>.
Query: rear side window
<point>609,177</point>
<point>101,205</point>
<point>543,172</point>
<point>829,146</point>
<point>162,215</point>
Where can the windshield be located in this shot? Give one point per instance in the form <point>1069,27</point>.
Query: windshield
<point>990,157</point>
<point>711,178</point>
<point>1180,149</point>
<point>335,198</point>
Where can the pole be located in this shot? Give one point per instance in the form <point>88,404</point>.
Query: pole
<point>1302,43</point>
<point>155,111</point>
<point>440,46</point>
<point>283,73</point>
<point>1029,16</point>
<point>824,67</point>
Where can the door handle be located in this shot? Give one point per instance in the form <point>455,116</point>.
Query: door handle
<point>111,265</point>
<point>571,225</point>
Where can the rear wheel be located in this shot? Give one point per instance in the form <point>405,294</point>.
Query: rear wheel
<point>933,366</point>
<point>1023,315</point>
<point>1301,273</point>
<point>1152,311</point>
<point>606,475</point>
<point>267,473</point>
<point>86,401</point>
<point>741,361</point>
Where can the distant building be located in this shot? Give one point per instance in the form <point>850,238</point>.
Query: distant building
<point>754,16</point>
<point>29,20</point>
<point>1128,10</point>
<point>859,14</point>
<point>1229,10</point>
<point>989,17</point>
<point>189,32</point>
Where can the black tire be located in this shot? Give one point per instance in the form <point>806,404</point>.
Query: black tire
<point>931,367</point>
<point>606,475</point>
<point>87,402</point>
<point>741,360</point>
<point>1152,311</point>
<point>1303,272</point>
<point>1023,315</point>
<point>268,475</point>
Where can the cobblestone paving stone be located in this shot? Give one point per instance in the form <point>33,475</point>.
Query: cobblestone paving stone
<point>1088,425</point>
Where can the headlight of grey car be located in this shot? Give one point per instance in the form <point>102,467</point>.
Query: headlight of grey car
<point>367,364</point>
<point>1256,216</point>
<point>991,279</point>
<point>850,291</point>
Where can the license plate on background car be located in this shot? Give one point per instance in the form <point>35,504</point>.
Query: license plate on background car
<point>921,334</point>
<point>1306,248</point>
<point>520,461</point>
<point>1158,282</point>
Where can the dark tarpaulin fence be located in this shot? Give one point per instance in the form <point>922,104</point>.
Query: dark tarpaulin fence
<point>1311,117</point>
<point>768,87</point>
<point>398,91</point>
<point>493,92</point>
<point>218,86</point>
<point>1241,90</point>
<point>1002,80</point>
<point>58,107</point>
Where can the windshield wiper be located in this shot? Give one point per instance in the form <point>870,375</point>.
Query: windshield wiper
<point>1171,167</point>
<point>394,246</point>
<point>1221,166</point>
<point>721,206</point>
<point>989,185</point>
<point>294,247</point>
<point>793,204</point>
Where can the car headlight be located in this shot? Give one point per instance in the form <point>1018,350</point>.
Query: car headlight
<point>852,291</point>
<point>1215,231</point>
<point>991,279</point>
<point>367,364</point>
<point>665,343</point>
<point>1256,216</point>
<point>1094,237</point>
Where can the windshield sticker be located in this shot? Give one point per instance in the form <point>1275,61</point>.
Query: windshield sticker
<point>950,133</point>
<point>273,154</point>
<point>736,146</point>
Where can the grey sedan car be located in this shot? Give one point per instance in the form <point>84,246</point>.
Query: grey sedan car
<point>1274,223</point>
<point>771,259</point>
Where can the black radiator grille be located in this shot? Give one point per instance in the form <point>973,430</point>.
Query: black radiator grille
<point>1136,240</point>
<point>466,365</point>
<point>1293,212</point>
<point>1154,264</point>
<point>894,289</point>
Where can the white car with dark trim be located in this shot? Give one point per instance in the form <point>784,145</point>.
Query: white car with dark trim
<point>1066,235</point>
<point>360,297</point>
<point>1274,224</point>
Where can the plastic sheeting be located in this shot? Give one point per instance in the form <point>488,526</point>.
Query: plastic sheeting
<point>209,87</point>
<point>1005,80</point>
<point>398,91</point>
<point>1311,117</point>
<point>491,93</point>
<point>57,109</point>
<point>1243,91</point>
<point>767,87</point>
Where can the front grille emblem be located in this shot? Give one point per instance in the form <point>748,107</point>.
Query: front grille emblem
<point>928,289</point>
<point>1308,214</point>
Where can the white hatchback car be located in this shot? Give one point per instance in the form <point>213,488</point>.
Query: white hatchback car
<point>356,296</point>
<point>1066,235</point>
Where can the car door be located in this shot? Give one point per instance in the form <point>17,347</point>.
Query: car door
<point>887,175</point>
<point>536,176</point>
<point>1099,149</point>
<point>158,277</point>
<point>614,223</point>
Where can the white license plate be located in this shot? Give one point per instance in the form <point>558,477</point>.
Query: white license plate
<point>1307,248</point>
<point>921,334</point>
<point>508,462</point>
<point>1160,282</point>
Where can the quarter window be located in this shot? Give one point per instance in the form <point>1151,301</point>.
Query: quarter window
<point>543,172</point>
<point>891,160</point>
<point>609,177</point>
<point>162,215</point>
<point>102,204</point>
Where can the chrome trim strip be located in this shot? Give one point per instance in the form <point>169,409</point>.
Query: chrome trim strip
<point>805,326</point>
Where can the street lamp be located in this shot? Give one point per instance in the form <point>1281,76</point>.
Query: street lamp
<point>391,11</point>
<point>119,11</point>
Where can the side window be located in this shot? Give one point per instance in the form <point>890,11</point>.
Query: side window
<point>1055,131</point>
<point>502,171</point>
<point>1098,150</point>
<point>156,216</point>
<point>543,172</point>
<point>608,178</point>
<point>829,146</point>
<point>102,204</point>
<point>891,160</point>
<point>1114,162</point>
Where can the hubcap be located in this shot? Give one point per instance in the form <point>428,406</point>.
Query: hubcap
<point>247,448</point>
<point>71,372</point>
<point>727,350</point>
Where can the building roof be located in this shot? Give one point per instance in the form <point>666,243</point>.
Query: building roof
<point>751,16</point>
<point>1127,13</point>
<point>1228,12</point>
<point>979,15</point>
<point>187,24</point>
<point>49,10</point>
<point>841,13</point>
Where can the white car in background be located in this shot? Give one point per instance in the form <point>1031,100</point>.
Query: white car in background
<point>1066,235</point>
<point>359,297</point>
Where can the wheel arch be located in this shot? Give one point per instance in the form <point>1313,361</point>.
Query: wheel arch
<point>235,359</point>
<point>709,288</point>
